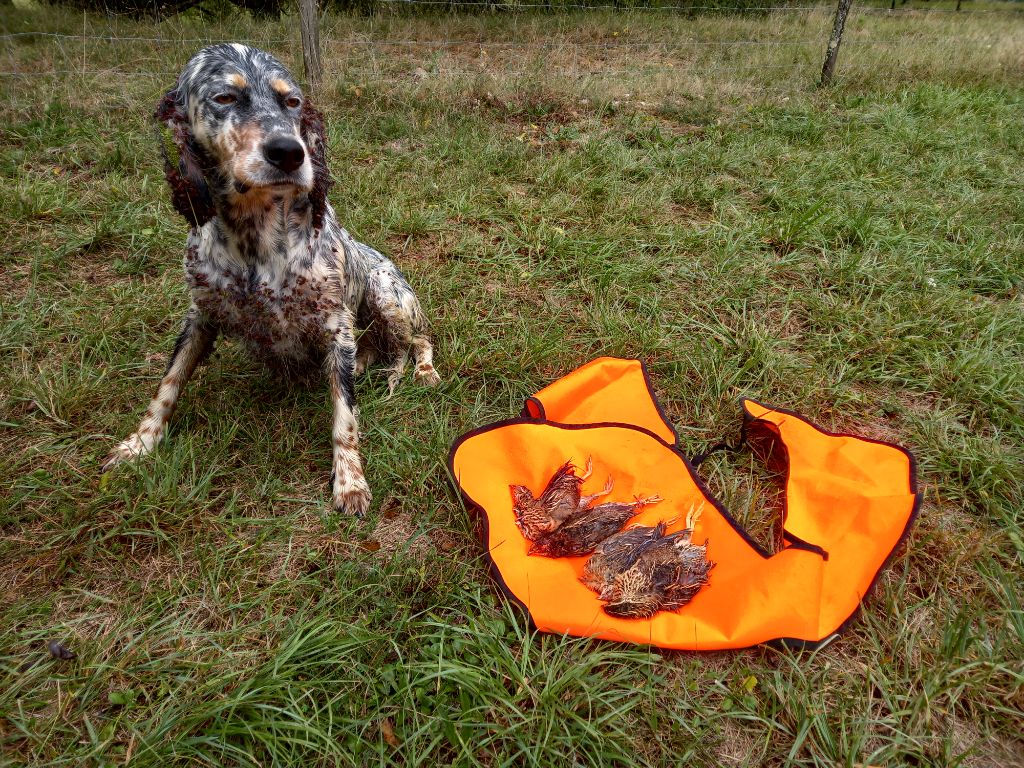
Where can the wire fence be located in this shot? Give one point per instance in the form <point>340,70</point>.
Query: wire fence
<point>783,39</point>
<point>528,45</point>
<point>647,7</point>
<point>160,10</point>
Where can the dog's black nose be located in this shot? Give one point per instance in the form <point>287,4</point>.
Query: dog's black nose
<point>284,152</point>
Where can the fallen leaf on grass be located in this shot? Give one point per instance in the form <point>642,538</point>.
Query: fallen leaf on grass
<point>388,732</point>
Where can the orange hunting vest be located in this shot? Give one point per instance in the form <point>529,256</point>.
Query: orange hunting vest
<point>849,502</point>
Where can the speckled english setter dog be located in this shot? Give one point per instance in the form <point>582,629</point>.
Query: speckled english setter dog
<point>266,259</point>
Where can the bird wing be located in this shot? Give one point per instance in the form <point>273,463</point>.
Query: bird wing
<point>561,496</point>
<point>564,480</point>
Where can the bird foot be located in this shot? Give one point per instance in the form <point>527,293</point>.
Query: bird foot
<point>646,502</point>
<point>590,469</point>
<point>694,515</point>
<point>586,501</point>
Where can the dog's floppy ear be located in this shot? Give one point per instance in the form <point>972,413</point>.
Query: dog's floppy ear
<point>190,194</point>
<point>312,127</point>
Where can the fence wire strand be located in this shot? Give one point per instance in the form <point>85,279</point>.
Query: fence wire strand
<point>529,45</point>
<point>498,6</point>
<point>359,41</point>
<point>67,52</point>
<point>618,8</point>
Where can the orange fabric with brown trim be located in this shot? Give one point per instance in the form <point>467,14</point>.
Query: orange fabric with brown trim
<point>606,389</point>
<point>849,503</point>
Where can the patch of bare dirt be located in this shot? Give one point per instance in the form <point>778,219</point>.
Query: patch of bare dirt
<point>736,746</point>
<point>691,131</point>
<point>918,403</point>
<point>27,569</point>
<point>17,279</point>
<point>396,531</point>
<point>95,272</point>
<point>430,246</point>
<point>986,751</point>
<point>689,214</point>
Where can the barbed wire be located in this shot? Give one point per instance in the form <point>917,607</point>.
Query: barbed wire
<point>675,44</point>
<point>555,6</point>
<point>574,6</point>
<point>133,38</point>
<point>529,44</point>
<point>44,72</point>
<point>440,73</point>
<point>964,11</point>
<point>558,6</point>
<point>494,71</point>
<point>268,41</point>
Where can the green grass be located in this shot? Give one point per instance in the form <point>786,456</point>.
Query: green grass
<point>856,254</point>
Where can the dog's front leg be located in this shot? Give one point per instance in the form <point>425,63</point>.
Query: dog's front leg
<point>194,343</point>
<point>350,490</point>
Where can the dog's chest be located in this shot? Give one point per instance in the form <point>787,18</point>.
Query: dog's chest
<point>279,312</point>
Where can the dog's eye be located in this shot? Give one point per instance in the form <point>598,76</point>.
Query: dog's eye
<point>225,98</point>
<point>292,102</point>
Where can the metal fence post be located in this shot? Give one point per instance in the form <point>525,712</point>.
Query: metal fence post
<point>833,43</point>
<point>309,23</point>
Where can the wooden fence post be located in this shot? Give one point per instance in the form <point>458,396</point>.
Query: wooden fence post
<point>833,43</point>
<point>309,23</point>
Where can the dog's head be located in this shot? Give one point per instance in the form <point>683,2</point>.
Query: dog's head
<point>242,128</point>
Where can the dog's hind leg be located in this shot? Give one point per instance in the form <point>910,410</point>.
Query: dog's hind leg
<point>366,356</point>
<point>423,360</point>
<point>397,369</point>
<point>399,324</point>
<point>194,343</point>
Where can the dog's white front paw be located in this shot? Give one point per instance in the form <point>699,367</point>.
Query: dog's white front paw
<point>126,450</point>
<point>351,495</point>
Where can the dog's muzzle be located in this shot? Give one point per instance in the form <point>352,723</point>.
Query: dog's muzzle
<point>284,153</point>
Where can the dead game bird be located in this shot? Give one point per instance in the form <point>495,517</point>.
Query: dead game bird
<point>562,498</point>
<point>617,553</point>
<point>587,528</point>
<point>666,575</point>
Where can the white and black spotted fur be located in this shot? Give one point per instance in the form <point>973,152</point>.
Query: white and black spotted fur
<point>266,259</point>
